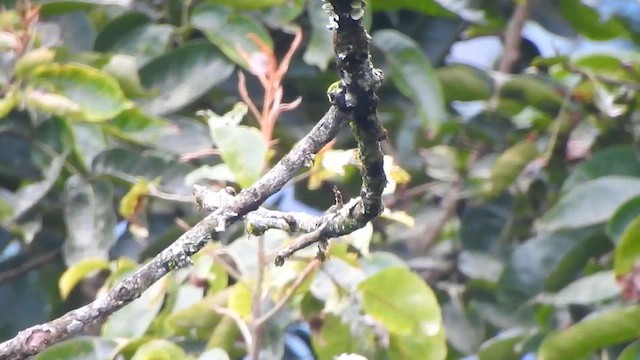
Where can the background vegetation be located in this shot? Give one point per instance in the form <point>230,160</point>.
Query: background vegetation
<point>513,207</point>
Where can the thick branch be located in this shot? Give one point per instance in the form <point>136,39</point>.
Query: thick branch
<point>35,339</point>
<point>360,81</point>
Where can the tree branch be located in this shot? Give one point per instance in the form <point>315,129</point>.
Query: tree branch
<point>35,339</point>
<point>355,99</point>
<point>513,36</point>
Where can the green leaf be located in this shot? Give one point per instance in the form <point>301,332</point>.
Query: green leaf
<point>88,141</point>
<point>159,350</point>
<point>590,203</point>
<point>214,354</point>
<point>229,31</point>
<point>631,352</point>
<point>480,266</point>
<point>437,8</point>
<point>243,150</point>
<point>117,29</point>
<point>136,126</point>
<point>548,261</point>
<point>599,330</point>
<point>129,165</point>
<point>521,91</point>
<point>401,301</point>
<point>182,76</point>
<point>28,196</point>
<point>334,338</point>
<point>587,21</point>
<point>619,160</point>
<point>123,68</point>
<point>623,216</point>
<point>145,42</point>
<point>97,95</point>
<point>240,300</point>
<point>90,219</point>
<point>588,290</point>
<point>418,346</point>
<point>505,346</point>
<point>80,348</point>
<point>31,60</point>
<point>412,73</point>
<point>627,251</point>
<point>77,272</point>
<point>248,4</point>
<point>199,319</point>
<point>510,164</point>
<point>319,51</point>
<point>134,319</point>
<point>464,83</point>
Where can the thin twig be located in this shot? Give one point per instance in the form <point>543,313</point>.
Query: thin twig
<point>256,326</point>
<point>513,36</point>
<point>242,325</point>
<point>32,264</point>
<point>311,266</point>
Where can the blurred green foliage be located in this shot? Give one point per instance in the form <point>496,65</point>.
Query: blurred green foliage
<point>513,204</point>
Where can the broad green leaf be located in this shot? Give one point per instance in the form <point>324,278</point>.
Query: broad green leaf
<point>90,219</point>
<point>627,251</point>
<point>418,345</point>
<point>131,200</point>
<point>401,301</point>
<point>505,346</point>
<point>465,329</point>
<point>588,290</point>
<point>118,28</point>
<point>199,319</point>
<point>129,165</point>
<point>604,328</point>
<point>510,164</point>
<point>334,338</point>
<point>9,101</point>
<point>621,219</point>
<point>243,150</point>
<point>281,17</point>
<point>521,91</point>
<point>248,4</point>
<point>123,68</point>
<point>136,126</point>
<point>437,8</point>
<point>159,350</point>
<point>480,266</point>
<point>549,261</point>
<point>214,354</point>
<point>31,60</point>
<point>28,196</point>
<point>482,225</point>
<point>619,160</point>
<point>590,203</point>
<point>144,42</point>
<point>77,272</point>
<point>79,348</point>
<point>464,83</point>
<point>182,76</point>
<point>134,319</point>
<point>240,300</point>
<point>319,51</point>
<point>97,95</point>
<point>586,20</point>
<point>631,352</point>
<point>88,141</point>
<point>412,73</point>
<point>229,31</point>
